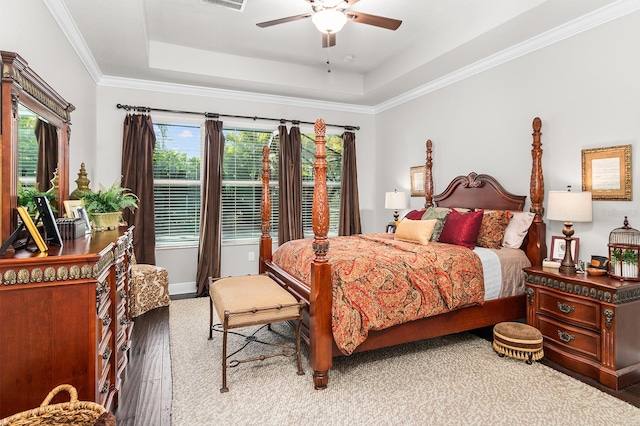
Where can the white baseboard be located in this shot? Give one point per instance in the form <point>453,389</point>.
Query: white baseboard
<point>182,288</point>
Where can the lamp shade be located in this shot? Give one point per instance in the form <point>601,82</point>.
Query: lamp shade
<point>329,21</point>
<point>569,206</point>
<point>395,200</point>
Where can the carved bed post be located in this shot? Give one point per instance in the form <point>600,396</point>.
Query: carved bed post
<point>266,244</point>
<point>428,177</point>
<point>537,245</point>
<point>320,296</point>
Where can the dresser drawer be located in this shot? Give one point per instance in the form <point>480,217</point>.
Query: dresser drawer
<point>570,309</point>
<point>582,342</point>
<point>104,353</point>
<point>104,320</point>
<point>104,387</point>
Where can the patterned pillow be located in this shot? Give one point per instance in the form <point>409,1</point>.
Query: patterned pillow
<point>461,229</point>
<point>440,214</point>
<point>415,231</point>
<point>492,229</point>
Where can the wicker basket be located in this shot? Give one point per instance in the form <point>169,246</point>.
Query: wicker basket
<point>74,412</point>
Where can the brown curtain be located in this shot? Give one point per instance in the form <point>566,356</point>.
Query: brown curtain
<point>138,143</point>
<point>349,204</point>
<point>290,185</point>
<point>211,208</point>
<point>47,137</point>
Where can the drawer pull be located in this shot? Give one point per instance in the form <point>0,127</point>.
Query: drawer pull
<point>566,309</point>
<point>106,354</point>
<point>565,337</point>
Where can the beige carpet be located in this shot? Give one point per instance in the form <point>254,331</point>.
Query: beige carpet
<point>457,380</point>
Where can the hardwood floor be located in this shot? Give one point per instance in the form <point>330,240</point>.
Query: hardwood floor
<point>145,398</point>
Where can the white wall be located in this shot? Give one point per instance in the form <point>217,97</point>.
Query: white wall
<point>48,52</point>
<point>586,90</point>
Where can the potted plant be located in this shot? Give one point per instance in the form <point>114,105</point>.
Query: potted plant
<point>105,206</point>
<point>26,198</point>
<point>630,263</point>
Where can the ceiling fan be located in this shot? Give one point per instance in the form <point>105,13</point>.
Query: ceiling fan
<point>329,16</point>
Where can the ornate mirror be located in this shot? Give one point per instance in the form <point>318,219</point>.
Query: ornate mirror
<point>34,132</point>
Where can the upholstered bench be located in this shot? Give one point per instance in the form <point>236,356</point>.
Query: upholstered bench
<point>247,301</point>
<point>518,340</point>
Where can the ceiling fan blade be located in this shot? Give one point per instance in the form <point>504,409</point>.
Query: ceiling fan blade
<point>284,20</point>
<point>376,21</point>
<point>328,40</point>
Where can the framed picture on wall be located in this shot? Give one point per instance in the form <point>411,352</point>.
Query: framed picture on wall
<point>417,181</point>
<point>558,247</point>
<point>606,172</point>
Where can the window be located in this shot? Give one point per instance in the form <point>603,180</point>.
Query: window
<point>177,182</point>
<point>242,183</point>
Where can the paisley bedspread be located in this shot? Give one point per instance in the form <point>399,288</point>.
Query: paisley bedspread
<point>379,282</point>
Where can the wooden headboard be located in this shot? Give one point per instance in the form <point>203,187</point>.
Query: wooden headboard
<point>476,191</point>
<point>481,191</point>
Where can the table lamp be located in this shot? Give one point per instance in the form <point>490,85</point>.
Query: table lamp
<point>395,201</point>
<point>569,207</point>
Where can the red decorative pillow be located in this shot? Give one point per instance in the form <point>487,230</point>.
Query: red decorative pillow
<point>461,229</point>
<point>414,214</point>
<point>492,228</point>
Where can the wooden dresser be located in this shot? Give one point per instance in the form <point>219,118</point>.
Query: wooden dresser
<point>64,319</point>
<point>590,324</point>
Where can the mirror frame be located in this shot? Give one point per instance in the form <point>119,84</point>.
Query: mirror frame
<point>20,84</point>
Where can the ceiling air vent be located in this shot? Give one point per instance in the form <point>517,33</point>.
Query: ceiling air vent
<point>229,4</point>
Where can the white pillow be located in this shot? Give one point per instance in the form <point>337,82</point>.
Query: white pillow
<point>415,231</point>
<point>517,229</point>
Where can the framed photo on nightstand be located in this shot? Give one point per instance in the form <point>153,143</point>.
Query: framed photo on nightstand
<point>558,247</point>
<point>391,228</point>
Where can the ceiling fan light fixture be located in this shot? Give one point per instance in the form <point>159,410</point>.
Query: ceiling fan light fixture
<point>329,21</point>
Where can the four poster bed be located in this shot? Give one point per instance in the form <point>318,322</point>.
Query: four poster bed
<point>415,304</point>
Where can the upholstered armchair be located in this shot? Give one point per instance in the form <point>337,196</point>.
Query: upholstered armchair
<point>148,288</point>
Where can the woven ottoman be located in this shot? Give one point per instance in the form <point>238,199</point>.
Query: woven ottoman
<point>518,340</point>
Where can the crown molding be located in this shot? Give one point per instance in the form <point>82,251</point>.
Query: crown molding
<point>591,20</point>
<point>184,89</point>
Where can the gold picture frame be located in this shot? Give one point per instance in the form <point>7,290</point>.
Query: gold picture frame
<point>31,227</point>
<point>70,207</point>
<point>417,181</point>
<point>606,172</point>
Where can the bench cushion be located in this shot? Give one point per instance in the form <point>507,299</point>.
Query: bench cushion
<point>236,294</point>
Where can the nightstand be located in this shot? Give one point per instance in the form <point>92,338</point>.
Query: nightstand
<point>590,324</point>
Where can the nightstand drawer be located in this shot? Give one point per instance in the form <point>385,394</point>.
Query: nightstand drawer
<point>572,339</point>
<point>570,309</point>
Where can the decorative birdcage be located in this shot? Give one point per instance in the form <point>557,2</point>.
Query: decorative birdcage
<point>624,253</point>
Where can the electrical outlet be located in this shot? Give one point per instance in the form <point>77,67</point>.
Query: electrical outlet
<point>251,256</point>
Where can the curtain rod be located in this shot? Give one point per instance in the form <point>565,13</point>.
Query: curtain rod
<point>216,115</point>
